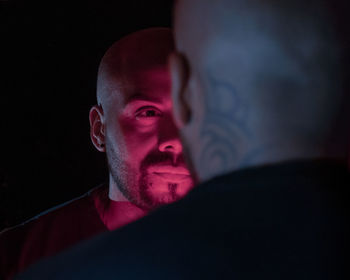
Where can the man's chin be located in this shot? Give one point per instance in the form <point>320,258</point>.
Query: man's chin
<point>159,189</point>
<point>161,193</point>
<point>164,199</point>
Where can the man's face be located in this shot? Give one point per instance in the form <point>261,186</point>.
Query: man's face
<point>143,148</point>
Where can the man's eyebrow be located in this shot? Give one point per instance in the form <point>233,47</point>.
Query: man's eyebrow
<point>139,97</point>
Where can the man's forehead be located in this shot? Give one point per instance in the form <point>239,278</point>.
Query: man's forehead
<point>151,84</point>
<point>136,63</point>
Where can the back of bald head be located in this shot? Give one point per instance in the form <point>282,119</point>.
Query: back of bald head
<point>287,60</point>
<point>292,22</point>
<point>142,49</point>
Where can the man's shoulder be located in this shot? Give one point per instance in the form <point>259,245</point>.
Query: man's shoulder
<point>259,200</point>
<point>276,213</point>
<point>270,217</point>
<point>71,207</point>
<point>49,232</point>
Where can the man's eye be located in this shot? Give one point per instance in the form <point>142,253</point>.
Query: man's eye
<point>147,113</point>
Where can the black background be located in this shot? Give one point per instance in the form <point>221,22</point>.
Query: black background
<point>50,53</point>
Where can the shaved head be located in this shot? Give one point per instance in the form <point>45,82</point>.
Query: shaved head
<point>273,77</point>
<point>138,51</point>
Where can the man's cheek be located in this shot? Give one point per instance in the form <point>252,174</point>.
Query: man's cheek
<point>141,141</point>
<point>139,146</point>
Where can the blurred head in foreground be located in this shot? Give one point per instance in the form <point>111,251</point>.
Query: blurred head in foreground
<point>260,82</point>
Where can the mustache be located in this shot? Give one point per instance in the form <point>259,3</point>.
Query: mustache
<point>163,158</point>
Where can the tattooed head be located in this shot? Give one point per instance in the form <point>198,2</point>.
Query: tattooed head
<point>258,82</point>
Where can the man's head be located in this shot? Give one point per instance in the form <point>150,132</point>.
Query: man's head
<point>133,121</point>
<point>260,81</point>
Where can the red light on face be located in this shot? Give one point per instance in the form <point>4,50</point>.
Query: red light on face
<point>143,148</point>
<point>145,143</point>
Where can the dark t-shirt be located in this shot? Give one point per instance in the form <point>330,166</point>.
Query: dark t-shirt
<point>286,221</point>
<point>49,233</point>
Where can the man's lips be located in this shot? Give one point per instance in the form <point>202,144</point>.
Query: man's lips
<point>173,177</point>
<point>181,170</point>
<point>170,173</point>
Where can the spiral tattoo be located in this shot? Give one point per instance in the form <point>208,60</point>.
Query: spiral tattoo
<point>224,129</point>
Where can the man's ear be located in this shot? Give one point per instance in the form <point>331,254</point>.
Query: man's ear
<point>179,71</point>
<point>97,128</point>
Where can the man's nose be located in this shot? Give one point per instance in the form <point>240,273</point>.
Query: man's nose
<point>169,140</point>
<point>171,145</point>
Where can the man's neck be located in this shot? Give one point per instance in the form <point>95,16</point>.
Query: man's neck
<point>269,155</point>
<point>114,192</point>
<point>115,210</point>
<point>117,214</point>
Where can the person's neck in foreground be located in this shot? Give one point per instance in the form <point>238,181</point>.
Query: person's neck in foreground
<point>270,157</point>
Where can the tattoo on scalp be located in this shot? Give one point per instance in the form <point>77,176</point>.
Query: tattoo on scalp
<point>224,130</point>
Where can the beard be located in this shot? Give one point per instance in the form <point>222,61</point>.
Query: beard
<point>149,199</point>
<point>141,188</point>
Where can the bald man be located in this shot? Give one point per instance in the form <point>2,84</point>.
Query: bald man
<point>261,97</point>
<point>133,124</point>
